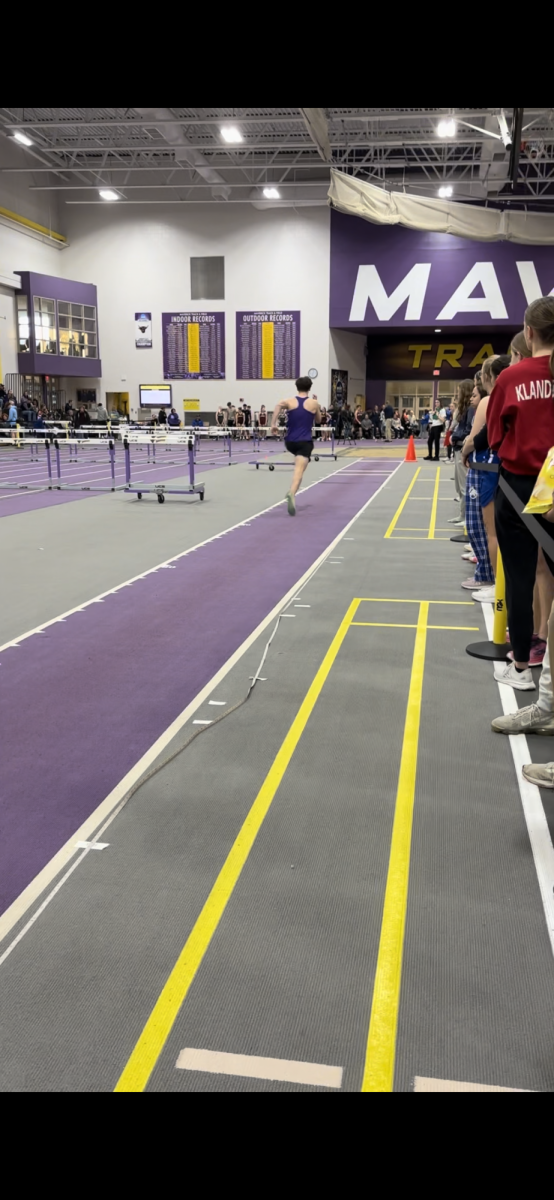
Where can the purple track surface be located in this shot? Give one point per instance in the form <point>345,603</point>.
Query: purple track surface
<point>99,702</point>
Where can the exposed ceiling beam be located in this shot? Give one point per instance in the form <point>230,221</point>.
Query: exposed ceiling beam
<point>407,115</point>
<point>84,187</point>
<point>316,123</point>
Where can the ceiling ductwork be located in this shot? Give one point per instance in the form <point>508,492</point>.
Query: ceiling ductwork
<point>174,136</point>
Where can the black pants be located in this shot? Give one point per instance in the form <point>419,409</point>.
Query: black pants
<point>434,439</point>
<point>519,557</point>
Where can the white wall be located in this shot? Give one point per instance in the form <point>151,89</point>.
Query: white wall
<point>347,352</point>
<point>139,260</point>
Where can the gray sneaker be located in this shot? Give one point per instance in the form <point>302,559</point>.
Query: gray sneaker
<point>542,776</point>
<point>526,720</point>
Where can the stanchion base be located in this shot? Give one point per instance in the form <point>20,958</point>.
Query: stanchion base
<point>490,650</point>
<point>459,537</point>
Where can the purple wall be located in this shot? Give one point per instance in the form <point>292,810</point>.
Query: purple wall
<point>51,287</point>
<point>496,294</point>
<point>375,392</point>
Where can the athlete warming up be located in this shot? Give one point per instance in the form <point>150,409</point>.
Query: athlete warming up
<point>302,411</point>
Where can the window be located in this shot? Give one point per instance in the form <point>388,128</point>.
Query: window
<point>45,325</point>
<point>23,330</point>
<point>207,278</point>
<point>77,330</point>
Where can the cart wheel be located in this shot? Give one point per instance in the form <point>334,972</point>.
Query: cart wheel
<point>271,467</point>
<point>161,498</point>
<point>139,495</point>
<point>316,456</point>
<point>201,495</point>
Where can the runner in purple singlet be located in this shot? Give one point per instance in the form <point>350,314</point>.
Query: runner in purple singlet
<point>302,411</point>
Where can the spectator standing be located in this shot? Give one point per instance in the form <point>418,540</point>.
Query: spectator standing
<point>462,422</point>
<point>436,425</point>
<point>520,423</point>
<point>389,415</point>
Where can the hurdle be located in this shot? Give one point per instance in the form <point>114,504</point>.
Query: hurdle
<point>161,491</point>
<point>32,485</point>
<point>225,437</point>
<point>58,486</point>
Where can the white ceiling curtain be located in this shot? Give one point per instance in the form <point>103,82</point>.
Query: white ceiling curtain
<point>351,195</point>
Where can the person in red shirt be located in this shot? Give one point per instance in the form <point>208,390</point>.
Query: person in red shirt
<point>520,424</point>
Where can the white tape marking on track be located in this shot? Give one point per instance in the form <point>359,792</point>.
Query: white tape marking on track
<point>251,1066</point>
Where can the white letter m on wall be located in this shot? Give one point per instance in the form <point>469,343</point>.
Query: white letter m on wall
<point>369,287</point>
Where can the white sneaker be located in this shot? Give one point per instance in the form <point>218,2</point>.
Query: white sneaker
<point>485,595</point>
<point>458,524</point>
<point>454,521</point>
<point>522,681</point>
<point>526,720</point>
<point>468,546</point>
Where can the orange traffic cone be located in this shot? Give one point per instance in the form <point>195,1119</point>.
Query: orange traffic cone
<point>410,451</point>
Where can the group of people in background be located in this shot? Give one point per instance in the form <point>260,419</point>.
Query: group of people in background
<point>501,430</point>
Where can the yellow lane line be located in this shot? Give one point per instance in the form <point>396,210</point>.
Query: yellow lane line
<point>149,1046</point>
<point>402,503</point>
<point>387,600</point>
<point>394,625</point>
<point>433,521</point>
<point>381,1042</point>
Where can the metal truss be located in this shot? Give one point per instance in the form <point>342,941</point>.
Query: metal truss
<point>79,150</point>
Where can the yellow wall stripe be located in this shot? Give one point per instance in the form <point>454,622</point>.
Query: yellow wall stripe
<point>193,344</point>
<point>58,237</point>
<point>381,1042</point>
<point>143,1059</point>
<point>401,505</point>
<point>268,349</point>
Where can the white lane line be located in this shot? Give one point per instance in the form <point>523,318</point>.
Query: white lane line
<point>91,845</point>
<point>302,606</point>
<point>533,811</point>
<point>421,1084</point>
<point>250,1066</point>
<point>202,722</point>
<point>144,574</point>
<point>217,702</point>
<point>109,808</point>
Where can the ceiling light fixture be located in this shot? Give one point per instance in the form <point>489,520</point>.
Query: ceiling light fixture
<point>22,138</point>
<point>446,128</point>
<point>230,133</point>
<point>445,192</point>
<point>271,193</point>
<point>109,194</point>
<point>504,131</point>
